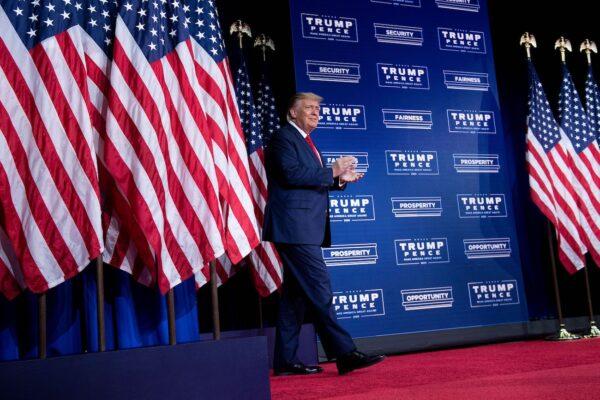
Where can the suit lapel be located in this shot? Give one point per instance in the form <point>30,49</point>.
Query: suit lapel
<point>304,144</point>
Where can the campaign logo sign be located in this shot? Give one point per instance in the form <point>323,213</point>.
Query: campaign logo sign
<point>342,116</point>
<point>350,254</point>
<point>406,3</point>
<point>460,5</point>
<point>481,205</point>
<point>487,248</point>
<point>463,40</point>
<point>362,166</point>
<point>410,207</point>
<point>315,26</point>
<point>476,163</point>
<point>427,298</point>
<point>421,251</point>
<point>462,80</point>
<point>351,207</point>
<point>329,71</point>
<point>475,122</point>
<point>401,76</point>
<point>407,119</point>
<point>493,293</point>
<point>398,34</point>
<point>358,303</point>
<point>411,162</point>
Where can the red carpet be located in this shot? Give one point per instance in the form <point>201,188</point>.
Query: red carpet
<point>520,370</point>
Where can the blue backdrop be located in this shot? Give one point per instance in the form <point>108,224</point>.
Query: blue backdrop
<point>426,241</point>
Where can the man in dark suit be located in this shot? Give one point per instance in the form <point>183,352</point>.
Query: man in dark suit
<point>297,221</point>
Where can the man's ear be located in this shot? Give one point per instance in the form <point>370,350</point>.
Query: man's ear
<point>293,113</point>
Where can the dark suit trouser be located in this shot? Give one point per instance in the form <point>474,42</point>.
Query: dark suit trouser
<point>306,284</point>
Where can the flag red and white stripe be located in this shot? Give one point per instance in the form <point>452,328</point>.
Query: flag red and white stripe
<point>266,265</point>
<point>582,148</point>
<point>550,177</point>
<point>50,192</point>
<point>157,150</point>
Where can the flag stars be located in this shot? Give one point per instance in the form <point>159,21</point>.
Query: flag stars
<point>18,11</point>
<point>50,7</point>
<point>128,6</point>
<point>140,26</point>
<point>65,15</point>
<point>31,32</point>
<point>92,9</point>
<point>49,22</point>
<point>78,6</point>
<point>33,17</point>
<point>152,46</point>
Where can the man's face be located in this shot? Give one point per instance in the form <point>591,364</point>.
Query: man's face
<point>306,114</point>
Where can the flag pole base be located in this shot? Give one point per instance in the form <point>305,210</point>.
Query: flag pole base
<point>594,331</point>
<point>563,334</point>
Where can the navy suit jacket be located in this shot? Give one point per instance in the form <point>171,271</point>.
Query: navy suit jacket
<point>297,210</point>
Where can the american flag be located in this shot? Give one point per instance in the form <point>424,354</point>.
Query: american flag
<point>267,268</point>
<point>265,105</point>
<point>50,198</point>
<point>550,177</point>
<point>585,154</point>
<point>217,96</point>
<point>592,102</point>
<point>157,144</point>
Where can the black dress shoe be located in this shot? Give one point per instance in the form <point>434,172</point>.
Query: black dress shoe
<point>298,369</point>
<point>355,360</point>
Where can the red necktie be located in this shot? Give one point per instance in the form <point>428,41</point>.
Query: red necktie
<point>314,148</point>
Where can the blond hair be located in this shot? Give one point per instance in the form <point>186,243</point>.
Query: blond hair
<point>295,99</point>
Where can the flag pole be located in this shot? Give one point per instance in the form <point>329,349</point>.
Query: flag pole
<point>214,296</point>
<point>264,42</point>
<point>587,47</point>
<point>563,333</point>
<point>239,28</point>
<point>528,41</point>
<point>100,303</point>
<point>42,317</point>
<point>563,45</point>
<point>171,316</point>
<point>594,331</point>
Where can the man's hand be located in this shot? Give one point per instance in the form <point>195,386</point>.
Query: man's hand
<point>351,176</point>
<point>343,164</point>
